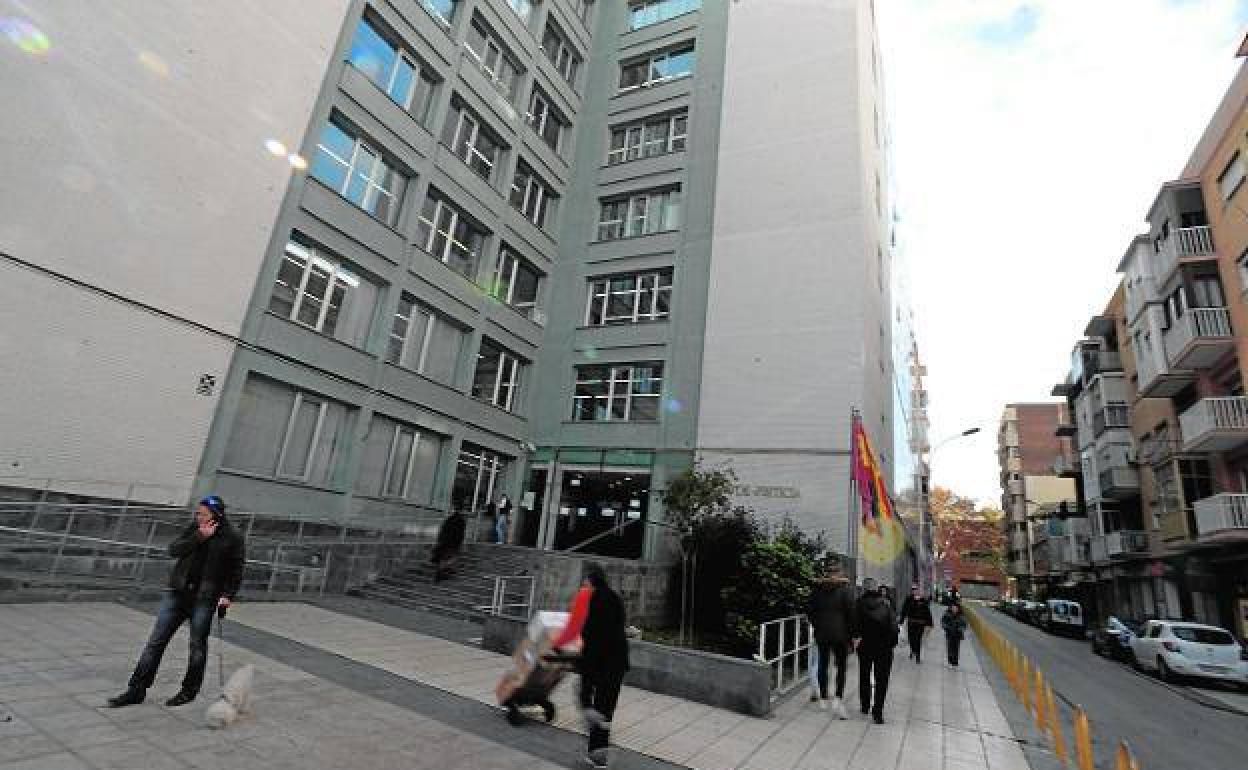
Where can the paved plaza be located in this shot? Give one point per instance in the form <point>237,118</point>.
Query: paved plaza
<point>335,690</point>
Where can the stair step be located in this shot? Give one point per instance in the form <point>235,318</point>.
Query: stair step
<point>460,612</point>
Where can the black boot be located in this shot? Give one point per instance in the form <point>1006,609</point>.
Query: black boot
<point>131,697</point>
<point>181,699</point>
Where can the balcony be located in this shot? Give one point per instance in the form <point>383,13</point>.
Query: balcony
<point>1120,483</point>
<point>1199,338</point>
<point>1215,424</point>
<point>1015,487</point>
<point>1222,515</point>
<point>1125,543</point>
<point>1066,428</point>
<point>1066,467</point>
<point>1101,362</point>
<point>1185,244</point>
<point>1111,417</point>
<point>1075,552</point>
<point>1156,379</point>
<point>1097,550</point>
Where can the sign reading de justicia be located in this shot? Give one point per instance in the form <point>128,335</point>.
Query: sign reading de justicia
<point>763,490</point>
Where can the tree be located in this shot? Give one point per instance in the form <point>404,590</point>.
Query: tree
<point>695,494</point>
<point>967,539</point>
<point>774,582</point>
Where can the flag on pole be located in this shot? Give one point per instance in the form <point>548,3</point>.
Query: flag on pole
<point>882,538</point>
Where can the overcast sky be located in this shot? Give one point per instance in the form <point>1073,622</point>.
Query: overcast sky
<point>1029,139</point>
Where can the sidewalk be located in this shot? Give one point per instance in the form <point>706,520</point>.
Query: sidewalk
<point>337,691</point>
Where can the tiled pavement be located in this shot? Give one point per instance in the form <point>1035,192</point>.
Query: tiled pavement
<point>337,691</point>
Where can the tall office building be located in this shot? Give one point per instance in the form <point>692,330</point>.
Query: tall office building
<point>386,258</point>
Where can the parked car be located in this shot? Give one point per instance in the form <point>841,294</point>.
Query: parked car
<point>1175,649</point>
<point>1032,612</point>
<point>1113,639</point>
<point>1062,616</point>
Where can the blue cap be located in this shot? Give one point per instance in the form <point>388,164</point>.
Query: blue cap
<point>214,504</point>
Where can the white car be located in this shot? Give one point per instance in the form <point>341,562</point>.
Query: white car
<point>1174,648</point>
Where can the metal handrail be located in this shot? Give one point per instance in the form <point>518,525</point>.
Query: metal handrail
<point>791,650</point>
<point>498,601</point>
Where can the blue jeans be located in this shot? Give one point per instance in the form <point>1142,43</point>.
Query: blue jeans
<point>174,610</point>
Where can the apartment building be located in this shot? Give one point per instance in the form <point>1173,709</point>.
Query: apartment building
<point>447,251</point>
<point>1028,448</point>
<point>1166,498</point>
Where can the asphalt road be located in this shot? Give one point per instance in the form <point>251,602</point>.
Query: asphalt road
<point>1166,727</point>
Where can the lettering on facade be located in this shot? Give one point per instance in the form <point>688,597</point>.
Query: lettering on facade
<point>759,490</point>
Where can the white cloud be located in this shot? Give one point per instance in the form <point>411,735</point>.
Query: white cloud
<point>1026,155</point>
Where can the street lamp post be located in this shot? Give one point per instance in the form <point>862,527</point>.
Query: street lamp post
<point>926,512</point>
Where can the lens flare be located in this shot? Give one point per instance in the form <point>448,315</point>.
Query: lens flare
<point>26,36</point>
<point>673,405</point>
<point>154,64</point>
<point>275,147</point>
<point>591,353</point>
<point>297,161</point>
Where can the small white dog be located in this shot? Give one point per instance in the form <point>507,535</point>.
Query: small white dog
<point>235,699</point>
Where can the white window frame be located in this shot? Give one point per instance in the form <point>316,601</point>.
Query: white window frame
<point>635,145</point>
<point>371,186</point>
<point>651,62</point>
<point>489,465</point>
<point>470,143</point>
<point>504,283</point>
<point>455,215</point>
<point>538,118</point>
<point>506,379</point>
<point>640,212</point>
<point>337,275</point>
<point>436,13</point>
<point>564,58</point>
<point>322,406</point>
<point>494,49</point>
<point>522,8</point>
<point>646,289</point>
<point>624,375</point>
<point>535,195</point>
<point>399,430</point>
<point>681,8</point>
<point>401,55</point>
<point>408,339</point>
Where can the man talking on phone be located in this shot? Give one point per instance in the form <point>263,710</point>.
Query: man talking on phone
<point>203,581</point>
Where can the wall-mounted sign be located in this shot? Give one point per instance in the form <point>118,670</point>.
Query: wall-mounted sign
<point>760,490</point>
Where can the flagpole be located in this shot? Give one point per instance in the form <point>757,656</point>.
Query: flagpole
<point>851,513</point>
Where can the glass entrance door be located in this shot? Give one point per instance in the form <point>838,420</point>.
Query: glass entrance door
<point>606,510</point>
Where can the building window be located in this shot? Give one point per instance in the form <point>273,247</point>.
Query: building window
<point>442,11</point>
<point>561,53</point>
<point>622,393</point>
<point>639,214</point>
<point>497,377</point>
<point>545,120</point>
<point>398,461</point>
<point>531,196</point>
<point>285,433</point>
<point>523,9</point>
<point>323,294</point>
<point>1243,268</point>
<point>1231,177</point>
<point>470,141</point>
<point>495,60</point>
<point>516,282</point>
<point>643,13</point>
<point>628,299</point>
<point>582,9</point>
<point>449,235</point>
<point>424,341</point>
<point>480,478</point>
<point>358,172</point>
<point>654,136</point>
<point>657,68</point>
<point>392,69</point>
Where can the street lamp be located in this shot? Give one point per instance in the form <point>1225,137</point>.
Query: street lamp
<point>927,466</point>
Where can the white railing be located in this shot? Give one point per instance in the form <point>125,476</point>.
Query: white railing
<point>784,645</point>
<point>1197,322</point>
<point>1221,513</point>
<point>499,602</point>
<point>1183,242</point>
<point>1214,414</point>
<point>1126,541</point>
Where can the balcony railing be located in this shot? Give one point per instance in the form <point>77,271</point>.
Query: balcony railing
<point>1199,338</point>
<point>1097,550</point>
<point>1066,467</point>
<point>1120,483</point>
<point>1112,416</point>
<point>1126,542</point>
<point>1183,242</point>
<point>1075,552</point>
<point>1215,424</point>
<point>1098,361</point>
<point>1222,513</point>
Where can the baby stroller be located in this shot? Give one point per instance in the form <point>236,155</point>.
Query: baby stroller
<point>536,669</point>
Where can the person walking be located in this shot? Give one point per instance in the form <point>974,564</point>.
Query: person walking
<point>502,520</point>
<point>598,617</point>
<point>954,624</point>
<point>446,548</point>
<point>204,580</point>
<point>830,613</point>
<point>874,631</point>
<point>916,616</point>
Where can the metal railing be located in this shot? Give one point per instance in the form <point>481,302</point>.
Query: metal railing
<point>499,603</point>
<point>1210,415</point>
<point>1221,513</point>
<point>1126,541</point>
<point>1197,322</point>
<point>1183,242</point>
<point>784,645</point>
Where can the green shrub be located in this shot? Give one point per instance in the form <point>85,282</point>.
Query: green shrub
<point>773,582</point>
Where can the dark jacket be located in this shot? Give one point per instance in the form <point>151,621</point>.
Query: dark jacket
<point>605,644</point>
<point>831,611</point>
<point>874,622</point>
<point>451,533</point>
<point>916,611</point>
<point>223,561</point>
<point>954,625</point>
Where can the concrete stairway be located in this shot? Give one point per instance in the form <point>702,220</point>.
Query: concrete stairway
<point>466,594</point>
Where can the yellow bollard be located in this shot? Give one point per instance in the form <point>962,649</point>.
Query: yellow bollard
<point>1026,685</point>
<point>1055,722</point>
<point>1083,740</point>
<point>1122,757</point>
<point>1041,711</point>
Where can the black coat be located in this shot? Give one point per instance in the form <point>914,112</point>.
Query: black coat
<point>916,611</point>
<point>605,644</point>
<point>874,622</point>
<point>831,612</point>
<point>223,561</point>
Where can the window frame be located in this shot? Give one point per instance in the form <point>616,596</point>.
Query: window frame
<point>508,87</point>
<point>549,115</point>
<point>379,161</point>
<point>612,379</point>
<point>506,256</point>
<point>338,271</point>
<point>470,147</point>
<point>534,187</point>
<point>659,17</point>
<point>566,59</point>
<point>638,213</point>
<point>322,405</point>
<point>634,138</point>
<point>642,295</point>
<point>1236,163</point>
<point>458,216</point>
<point>405,490</point>
<point>431,9</point>
<point>420,72</point>
<point>509,368</point>
<point>653,60</point>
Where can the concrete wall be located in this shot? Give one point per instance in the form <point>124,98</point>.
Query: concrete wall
<point>134,160</point>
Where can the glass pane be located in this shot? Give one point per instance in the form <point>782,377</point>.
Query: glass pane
<point>486,375</point>
<point>527,282</point>
<point>399,329</point>
<point>371,54</point>
<point>369,480</point>
<point>620,306</point>
<point>404,77</point>
<point>361,171</point>
<point>289,276</point>
<point>299,441</point>
<point>259,426</point>
<point>333,157</point>
<point>400,458</point>
<point>671,211</point>
<point>645,408</point>
<point>314,293</point>
<point>619,408</point>
<point>336,298</point>
<point>330,443</point>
